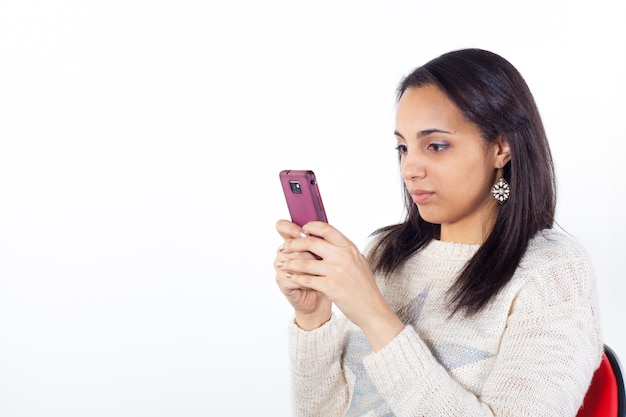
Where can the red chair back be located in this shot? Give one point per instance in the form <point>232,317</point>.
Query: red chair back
<point>605,397</point>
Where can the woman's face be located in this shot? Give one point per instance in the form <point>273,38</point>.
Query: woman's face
<point>447,167</point>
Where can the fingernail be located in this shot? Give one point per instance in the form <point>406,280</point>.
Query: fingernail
<point>302,234</point>
<point>281,247</point>
<point>288,275</point>
<point>280,264</point>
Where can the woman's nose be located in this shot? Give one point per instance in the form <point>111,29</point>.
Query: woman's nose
<point>412,166</point>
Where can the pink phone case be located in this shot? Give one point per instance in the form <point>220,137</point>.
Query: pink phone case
<point>303,196</point>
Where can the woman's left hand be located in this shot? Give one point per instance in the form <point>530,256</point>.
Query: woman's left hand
<point>343,274</point>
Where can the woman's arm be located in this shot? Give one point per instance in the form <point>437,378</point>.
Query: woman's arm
<point>543,368</point>
<point>319,384</point>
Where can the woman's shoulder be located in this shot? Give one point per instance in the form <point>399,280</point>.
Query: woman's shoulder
<point>555,246</point>
<point>556,268</point>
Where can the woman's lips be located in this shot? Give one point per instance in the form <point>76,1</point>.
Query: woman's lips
<point>421,196</point>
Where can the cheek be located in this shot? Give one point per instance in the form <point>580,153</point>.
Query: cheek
<point>467,182</point>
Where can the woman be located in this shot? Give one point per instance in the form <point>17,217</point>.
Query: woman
<point>474,305</point>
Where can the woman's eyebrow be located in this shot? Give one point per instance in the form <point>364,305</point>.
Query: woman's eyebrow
<point>426,132</point>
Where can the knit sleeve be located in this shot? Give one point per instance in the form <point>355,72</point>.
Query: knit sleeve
<point>546,362</point>
<point>318,381</point>
<point>552,343</point>
<point>549,350</point>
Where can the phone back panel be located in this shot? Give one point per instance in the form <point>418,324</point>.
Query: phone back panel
<point>303,197</point>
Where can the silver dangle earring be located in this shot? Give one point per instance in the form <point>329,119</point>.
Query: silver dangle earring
<point>501,190</point>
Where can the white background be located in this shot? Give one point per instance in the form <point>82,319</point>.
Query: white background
<point>140,145</point>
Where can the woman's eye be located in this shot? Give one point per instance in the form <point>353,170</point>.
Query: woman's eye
<point>438,147</point>
<point>402,149</point>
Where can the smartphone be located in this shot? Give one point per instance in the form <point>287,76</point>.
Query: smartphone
<point>303,196</point>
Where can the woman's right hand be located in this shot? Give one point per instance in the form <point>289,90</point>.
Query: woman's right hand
<point>312,308</point>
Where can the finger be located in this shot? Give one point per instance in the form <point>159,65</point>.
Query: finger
<point>287,229</point>
<point>288,284</point>
<point>285,282</point>
<point>326,232</point>
<point>302,267</point>
<point>306,281</point>
<point>281,262</point>
<point>283,254</point>
<point>312,244</point>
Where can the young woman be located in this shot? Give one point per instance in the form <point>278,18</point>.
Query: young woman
<point>474,305</point>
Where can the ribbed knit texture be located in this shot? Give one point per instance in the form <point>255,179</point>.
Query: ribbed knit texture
<point>531,352</point>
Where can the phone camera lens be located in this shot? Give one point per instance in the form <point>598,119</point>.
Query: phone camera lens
<point>296,188</point>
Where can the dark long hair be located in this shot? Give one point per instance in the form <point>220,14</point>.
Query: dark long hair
<point>492,94</point>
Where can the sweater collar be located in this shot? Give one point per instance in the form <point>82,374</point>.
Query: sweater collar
<point>450,250</point>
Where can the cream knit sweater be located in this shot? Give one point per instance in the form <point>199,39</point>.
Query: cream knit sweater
<point>531,352</point>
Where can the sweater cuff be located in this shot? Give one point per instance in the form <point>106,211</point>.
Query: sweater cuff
<point>404,360</point>
<point>320,346</point>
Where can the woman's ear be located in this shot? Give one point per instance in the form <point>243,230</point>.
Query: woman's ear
<point>502,152</point>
